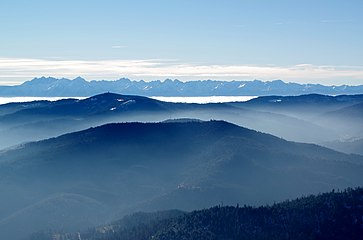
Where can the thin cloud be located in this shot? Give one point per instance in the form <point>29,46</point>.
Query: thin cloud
<point>119,46</point>
<point>18,70</point>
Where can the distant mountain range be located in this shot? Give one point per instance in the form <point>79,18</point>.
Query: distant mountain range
<point>53,87</point>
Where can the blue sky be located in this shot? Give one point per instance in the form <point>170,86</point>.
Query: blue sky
<point>301,41</point>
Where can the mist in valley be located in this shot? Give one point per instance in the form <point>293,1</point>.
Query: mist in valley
<point>315,119</point>
<point>111,155</point>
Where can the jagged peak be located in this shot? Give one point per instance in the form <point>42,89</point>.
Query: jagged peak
<point>79,78</point>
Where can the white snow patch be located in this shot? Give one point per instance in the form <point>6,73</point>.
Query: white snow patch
<point>205,100</point>
<point>276,100</point>
<point>242,85</point>
<point>128,102</point>
<point>112,109</point>
<point>219,84</point>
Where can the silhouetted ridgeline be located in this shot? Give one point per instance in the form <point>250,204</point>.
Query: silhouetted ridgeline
<point>330,216</point>
<point>309,118</point>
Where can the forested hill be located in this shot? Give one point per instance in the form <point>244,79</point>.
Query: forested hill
<point>334,215</point>
<point>94,176</point>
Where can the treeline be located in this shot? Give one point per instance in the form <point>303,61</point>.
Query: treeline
<point>334,215</point>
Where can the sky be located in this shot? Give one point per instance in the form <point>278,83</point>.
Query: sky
<point>310,41</point>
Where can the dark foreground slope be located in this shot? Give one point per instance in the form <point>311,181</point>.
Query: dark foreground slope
<point>121,168</point>
<point>333,216</point>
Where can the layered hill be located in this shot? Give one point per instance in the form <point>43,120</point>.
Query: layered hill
<point>340,115</point>
<point>307,118</point>
<point>22,122</point>
<point>120,168</point>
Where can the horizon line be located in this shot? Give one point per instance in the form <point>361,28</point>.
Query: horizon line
<point>173,80</point>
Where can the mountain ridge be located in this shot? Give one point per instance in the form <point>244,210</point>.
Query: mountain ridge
<point>144,166</point>
<point>278,115</point>
<point>79,87</point>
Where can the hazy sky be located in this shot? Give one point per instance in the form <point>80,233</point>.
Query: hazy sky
<point>302,41</point>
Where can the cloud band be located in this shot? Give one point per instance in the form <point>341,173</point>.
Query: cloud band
<point>17,70</point>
